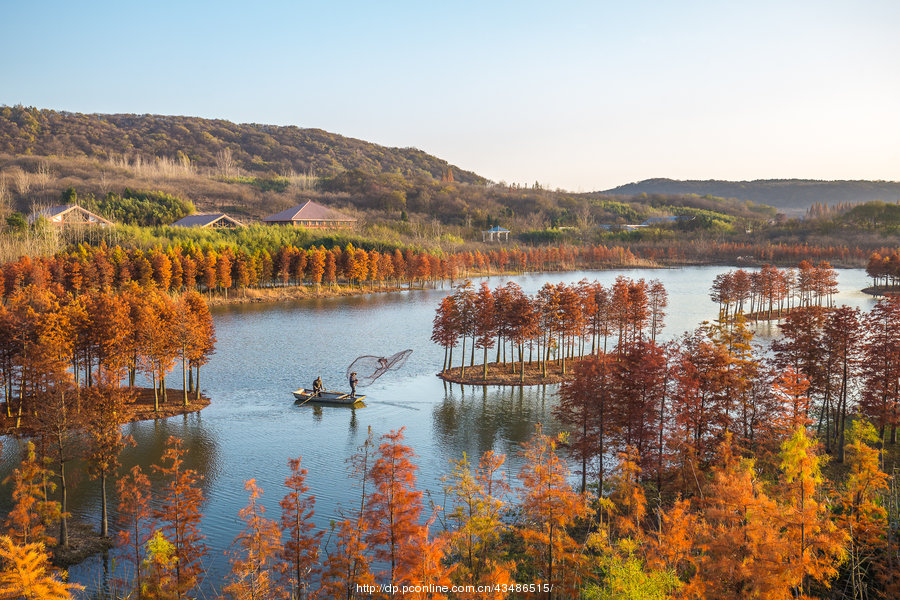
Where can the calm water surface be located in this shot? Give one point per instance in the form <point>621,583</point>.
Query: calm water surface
<point>264,352</point>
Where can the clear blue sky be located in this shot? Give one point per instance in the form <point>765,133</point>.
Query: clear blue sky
<point>578,95</point>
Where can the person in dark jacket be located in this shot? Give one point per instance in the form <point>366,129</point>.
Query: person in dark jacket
<point>318,387</point>
<point>353,382</point>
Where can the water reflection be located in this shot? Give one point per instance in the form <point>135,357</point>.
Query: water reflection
<point>475,419</point>
<point>150,442</point>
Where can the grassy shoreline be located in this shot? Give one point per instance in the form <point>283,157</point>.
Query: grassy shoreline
<point>142,409</point>
<point>509,374</point>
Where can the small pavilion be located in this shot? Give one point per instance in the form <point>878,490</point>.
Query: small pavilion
<point>495,233</point>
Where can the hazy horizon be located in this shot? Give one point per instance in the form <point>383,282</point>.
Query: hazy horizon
<point>579,96</point>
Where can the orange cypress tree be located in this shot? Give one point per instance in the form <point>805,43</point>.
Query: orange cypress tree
<point>478,504</point>
<point>584,406</point>
<point>108,322</point>
<point>741,546</point>
<point>394,507</point>
<point>485,323</point>
<point>32,512</point>
<point>179,513</point>
<point>204,344</point>
<point>863,515</point>
<point>185,338</point>
<point>300,553</point>
<point>881,368</point>
<point>550,508</point>
<point>815,547</point>
<point>445,330</point>
<point>106,413</point>
<point>793,412</point>
<point>223,270</point>
<point>628,495</point>
<point>159,351</point>
<point>427,569</point>
<point>134,517</point>
<point>26,575</point>
<point>672,546</point>
<point>59,422</point>
<point>346,568</point>
<point>315,268</point>
<point>258,543</point>
<point>330,274</point>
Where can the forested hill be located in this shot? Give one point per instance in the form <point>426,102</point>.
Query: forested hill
<point>260,149</point>
<point>791,196</point>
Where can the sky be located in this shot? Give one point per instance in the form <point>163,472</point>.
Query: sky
<point>581,96</point>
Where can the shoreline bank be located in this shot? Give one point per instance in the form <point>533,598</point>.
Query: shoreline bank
<point>139,410</point>
<point>509,374</point>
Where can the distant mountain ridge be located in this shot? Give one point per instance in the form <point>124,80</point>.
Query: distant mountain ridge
<point>791,196</point>
<point>255,148</point>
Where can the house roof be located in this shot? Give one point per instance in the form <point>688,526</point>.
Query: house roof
<point>204,220</point>
<point>309,211</point>
<point>53,212</point>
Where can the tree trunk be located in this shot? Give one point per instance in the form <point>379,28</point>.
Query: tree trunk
<point>104,521</point>
<point>521,364</point>
<point>64,506</point>
<point>462,363</point>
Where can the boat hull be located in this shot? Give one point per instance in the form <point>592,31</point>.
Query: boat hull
<point>304,396</point>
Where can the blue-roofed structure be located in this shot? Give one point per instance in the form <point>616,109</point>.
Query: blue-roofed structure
<point>495,233</point>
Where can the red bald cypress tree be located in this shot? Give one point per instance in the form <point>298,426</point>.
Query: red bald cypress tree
<point>299,554</point>
<point>179,513</point>
<point>394,507</point>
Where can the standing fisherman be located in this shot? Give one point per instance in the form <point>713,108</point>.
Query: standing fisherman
<point>353,382</point>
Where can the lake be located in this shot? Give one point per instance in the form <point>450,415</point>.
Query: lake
<point>265,351</point>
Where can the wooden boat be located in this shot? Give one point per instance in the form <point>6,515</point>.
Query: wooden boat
<point>304,395</point>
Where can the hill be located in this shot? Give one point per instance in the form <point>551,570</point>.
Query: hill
<point>254,170</point>
<point>791,196</point>
<point>209,144</point>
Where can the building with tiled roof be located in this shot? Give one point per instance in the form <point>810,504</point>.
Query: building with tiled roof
<point>311,215</point>
<point>211,220</point>
<point>69,214</point>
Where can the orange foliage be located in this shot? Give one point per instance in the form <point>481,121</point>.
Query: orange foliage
<point>179,514</point>
<point>393,509</point>
<point>550,508</point>
<point>32,511</point>
<point>134,516</point>
<point>253,561</point>
<point>26,575</point>
<point>299,555</point>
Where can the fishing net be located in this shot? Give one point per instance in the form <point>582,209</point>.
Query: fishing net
<point>369,368</point>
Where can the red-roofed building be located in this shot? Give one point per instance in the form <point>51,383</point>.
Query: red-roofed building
<point>312,216</point>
